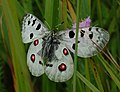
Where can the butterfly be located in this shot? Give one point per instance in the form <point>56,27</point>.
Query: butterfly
<point>50,51</point>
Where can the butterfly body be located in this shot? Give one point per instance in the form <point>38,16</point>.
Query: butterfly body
<point>49,46</point>
<point>55,47</point>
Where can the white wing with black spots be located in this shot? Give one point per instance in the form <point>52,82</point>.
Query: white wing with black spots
<point>60,69</point>
<point>32,28</point>
<point>34,61</point>
<point>56,47</point>
<point>91,40</point>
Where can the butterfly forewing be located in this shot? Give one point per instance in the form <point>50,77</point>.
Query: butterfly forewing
<point>91,40</point>
<point>32,28</point>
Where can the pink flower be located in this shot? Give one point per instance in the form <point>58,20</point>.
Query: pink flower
<point>85,23</point>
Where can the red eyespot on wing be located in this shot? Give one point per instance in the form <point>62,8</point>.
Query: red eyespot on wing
<point>36,42</point>
<point>33,58</point>
<point>62,67</point>
<point>65,51</point>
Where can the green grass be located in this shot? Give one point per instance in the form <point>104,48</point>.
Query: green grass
<point>100,73</point>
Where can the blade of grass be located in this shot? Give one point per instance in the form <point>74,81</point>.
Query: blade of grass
<point>40,6</point>
<point>55,18</point>
<point>49,11</point>
<point>48,18</point>
<point>79,84</point>
<point>87,73</point>
<point>22,81</point>
<point>91,86</point>
<point>114,62</point>
<point>48,85</point>
<point>64,13</point>
<point>109,70</point>
<point>27,4</point>
<point>71,11</point>
<point>85,8</point>
<point>99,12</point>
<point>76,47</point>
<point>96,76</point>
<point>20,10</point>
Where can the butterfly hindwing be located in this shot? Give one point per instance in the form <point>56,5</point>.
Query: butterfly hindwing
<point>32,28</point>
<point>91,40</point>
<point>60,69</point>
<point>34,61</point>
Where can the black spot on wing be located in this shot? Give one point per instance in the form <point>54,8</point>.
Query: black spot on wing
<point>38,26</point>
<point>31,16</point>
<point>27,15</point>
<point>97,29</point>
<point>40,63</point>
<point>73,46</point>
<point>34,22</point>
<point>31,35</point>
<point>91,35</point>
<point>78,41</point>
<point>99,37</point>
<point>28,22</point>
<point>71,34</point>
<point>97,41</point>
<point>82,33</point>
<point>49,65</point>
<point>90,29</point>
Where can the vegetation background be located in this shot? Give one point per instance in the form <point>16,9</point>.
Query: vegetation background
<point>100,73</point>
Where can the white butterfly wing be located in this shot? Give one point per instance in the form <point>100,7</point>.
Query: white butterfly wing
<point>34,61</point>
<point>60,69</point>
<point>32,28</point>
<point>91,40</point>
